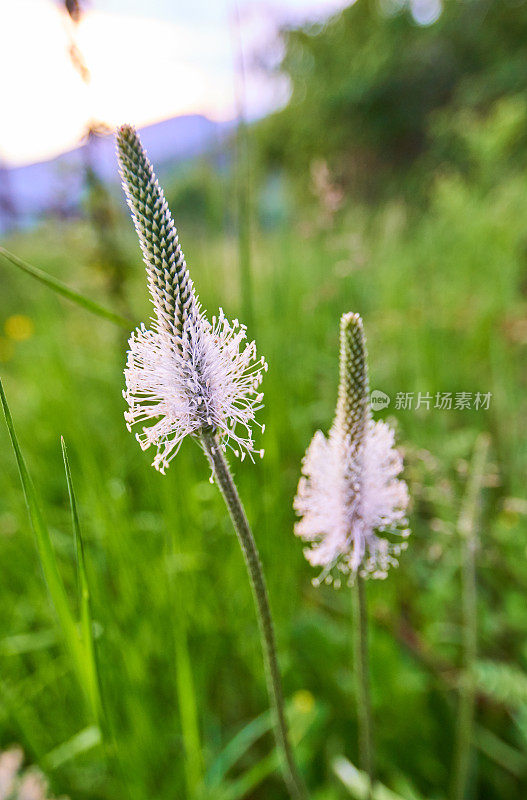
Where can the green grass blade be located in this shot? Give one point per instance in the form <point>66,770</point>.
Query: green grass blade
<point>64,290</point>
<point>48,561</point>
<point>505,683</point>
<point>237,747</point>
<point>358,784</point>
<point>243,786</point>
<point>83,741</point>
<point>183,673</point>
<point>509,758</point>
<point>22,643</point>
<point>188,708</point>
<point>84,595</point>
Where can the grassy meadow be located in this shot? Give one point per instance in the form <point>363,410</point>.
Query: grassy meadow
<point>442,291</point>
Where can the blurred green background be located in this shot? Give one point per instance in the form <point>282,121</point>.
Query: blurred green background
<point>394,183</point>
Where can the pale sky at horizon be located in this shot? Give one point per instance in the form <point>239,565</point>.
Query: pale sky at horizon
<point>148,61</point>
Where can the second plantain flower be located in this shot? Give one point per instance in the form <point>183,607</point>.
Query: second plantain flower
<point>351,503</point>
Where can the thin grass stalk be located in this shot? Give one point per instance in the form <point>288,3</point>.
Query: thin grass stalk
<point>228,489</point>
<point>79,643</point>
<point>362,683</point>
<point>60,288</point>
<point>188,711</point>
<point>467,529</point>
<point>242,176</point>
<point>186,692</point>
<point>93,687</point>
<point>184,679</point>
<point>50,569</point>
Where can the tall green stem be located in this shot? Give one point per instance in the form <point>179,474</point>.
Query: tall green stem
<point>467,527</point>
<point>364,715</point>
<point>243,177</point>
<point>228,489</point>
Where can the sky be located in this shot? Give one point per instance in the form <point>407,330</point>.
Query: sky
<point>147,59</point>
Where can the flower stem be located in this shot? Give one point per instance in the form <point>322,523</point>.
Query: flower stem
<point>360,619</point>
<point>228,489</point>
<point>467,527</point>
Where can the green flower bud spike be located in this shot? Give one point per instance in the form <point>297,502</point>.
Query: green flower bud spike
<point>353,408</point>
<point>169,282</point>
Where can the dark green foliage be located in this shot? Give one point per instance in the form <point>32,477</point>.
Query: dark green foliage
<point>199,194</point>
<point>366,86</point>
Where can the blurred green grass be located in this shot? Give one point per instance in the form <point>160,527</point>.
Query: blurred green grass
<point>442,294</point>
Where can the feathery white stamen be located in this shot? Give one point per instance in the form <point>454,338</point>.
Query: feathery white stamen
<point>346,500</point>
<point>210,383</point>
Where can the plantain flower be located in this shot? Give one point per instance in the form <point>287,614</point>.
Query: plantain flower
<point>351,503</point>
<point>184,375</point>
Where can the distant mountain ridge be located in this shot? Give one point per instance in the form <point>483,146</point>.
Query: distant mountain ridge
<point>55,186</point>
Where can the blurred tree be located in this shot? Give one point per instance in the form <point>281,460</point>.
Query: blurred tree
<point>198,194</point>
<point>365,86</point>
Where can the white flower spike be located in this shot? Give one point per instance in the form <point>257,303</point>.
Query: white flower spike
<point>351,503</point>
<point>184,375</point>
<point>187,376</point>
